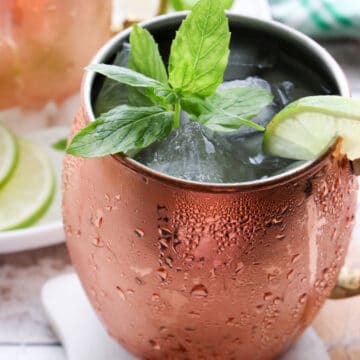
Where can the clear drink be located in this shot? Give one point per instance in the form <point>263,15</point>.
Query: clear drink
<point>195,153</point>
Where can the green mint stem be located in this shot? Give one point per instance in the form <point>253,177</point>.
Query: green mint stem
<point>177,115</point>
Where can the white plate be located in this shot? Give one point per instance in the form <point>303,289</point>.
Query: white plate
<point>49,229</point>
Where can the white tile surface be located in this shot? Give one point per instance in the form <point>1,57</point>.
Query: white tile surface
<point>22,319</point>
<point>32,353</point>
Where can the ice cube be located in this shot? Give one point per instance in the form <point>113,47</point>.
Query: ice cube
<point>251,81</point>
<point>284,93</point>
<point>187,153</point>
<point>266,114</point>
<point>247,161</point>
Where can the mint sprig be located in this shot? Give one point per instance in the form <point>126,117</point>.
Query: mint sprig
<point>122,129</point>
<point>145,58</point>
<point>230,108</point>
<point>197,62</point>
<point>60,145</point>
<point>180,5</point>
<point>199,54</point>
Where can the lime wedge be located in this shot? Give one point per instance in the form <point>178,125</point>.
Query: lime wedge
<point>306,128</point>
<point>8,154</point>
<point>28,193</point>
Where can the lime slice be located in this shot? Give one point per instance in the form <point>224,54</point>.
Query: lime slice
<point>8,154</point>
<point>306,128</point>
<point>29,191</point>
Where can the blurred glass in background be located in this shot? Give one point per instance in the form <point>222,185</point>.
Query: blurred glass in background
<point>44,45</point>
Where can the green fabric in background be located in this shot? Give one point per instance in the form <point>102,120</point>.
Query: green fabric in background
<point>319,18</point>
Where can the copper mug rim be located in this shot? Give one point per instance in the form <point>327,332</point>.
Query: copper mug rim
<point>332,67</point>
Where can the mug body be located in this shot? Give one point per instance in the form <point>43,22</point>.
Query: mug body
<point>183,270</point>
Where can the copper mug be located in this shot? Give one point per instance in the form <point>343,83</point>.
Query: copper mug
<point>184,270</point>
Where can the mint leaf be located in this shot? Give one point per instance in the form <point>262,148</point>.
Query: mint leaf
<point>154,89</point>
<point>125,76</point>
<point>112,92</point>
<point>227,4</point>
<point>196,106</point>
<point>230,108</point>
<point>60,145</point>
<point>200,51</point>
<point>122,129</point>
<point>221,121</point>
<point>245,102</point>
<point>180,5</point>
<point>145,58</point>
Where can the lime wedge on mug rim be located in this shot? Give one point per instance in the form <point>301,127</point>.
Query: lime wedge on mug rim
<point>8,154</point>
<point>29,191</point>
<point>306,128</point>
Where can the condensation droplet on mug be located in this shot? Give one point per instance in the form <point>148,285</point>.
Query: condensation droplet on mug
<point>169,261</point>
<point>194,315</point>
<point>161,210</point>
<point>155,345</point>
<point>284,209</point>
<point>186,275</point>
<point>162,273</point>
<point>97,220</point>
<point>139,233</point>
<point>155,297</point>
<point>326,273</point>
<point>295,258</point>
<point>280,236</point>
<point>176,246</point>
<point>239,267</point>
<point>97,242</point>
<point>163,244</point>
<point>230,321</point>
<point>121,293</point>
<point>93,292</point>
<point>165,231</point>
<point>68,230</point>
<point>290,274</point>
<point>199,291</point>
<point>278,300</point>
<point>145,180</point>
<point>267,295</point>
<point>259,308</point>
<point>302,298</point>
<point>277,221</point>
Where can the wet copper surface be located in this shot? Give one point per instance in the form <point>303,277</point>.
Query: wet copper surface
<point>176,273</point>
